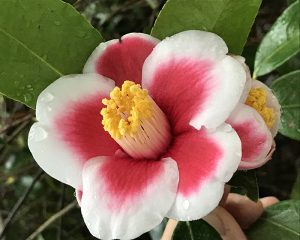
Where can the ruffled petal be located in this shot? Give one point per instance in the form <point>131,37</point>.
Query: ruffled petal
<point>272,102</point>
<point>123,198</point>
<point>255,136</point>
<point>206,160</point>
<point>189,75</point>
<point>69,131</point>
<point>121,59</point>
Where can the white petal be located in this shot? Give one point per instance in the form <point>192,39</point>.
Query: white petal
<point>272,102</point>
<point>121,59</point>
<point>204,168</point>
<point>248,83</point>
<point>50,149</point>
<point>116,206</point>
<point>255,136</point>
<point>224,77</point>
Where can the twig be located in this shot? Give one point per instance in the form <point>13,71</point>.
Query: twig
<point>122,8</point>
<point>52,219</point>
<point>16,122</point>
<point>18,171</point>
<point>61,205</point>
<point>15,134</point>
<point>19,203</point>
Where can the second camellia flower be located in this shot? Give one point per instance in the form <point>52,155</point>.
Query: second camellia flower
<point>161,146</point>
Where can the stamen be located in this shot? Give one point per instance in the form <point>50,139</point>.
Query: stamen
<point>257,99</point>
<point>135,121</point>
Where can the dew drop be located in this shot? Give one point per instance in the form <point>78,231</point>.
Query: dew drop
<point>47,97</point>
<point>81,34</point>
<point>27,97</point>
<point>57,23</point>
<point>186,204</point>
<point>38,134</point>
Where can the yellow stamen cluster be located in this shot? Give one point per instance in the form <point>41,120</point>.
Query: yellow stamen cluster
<point>125,110</point>
<point>257,99</point>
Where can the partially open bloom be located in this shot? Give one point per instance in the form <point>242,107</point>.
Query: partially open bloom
<point>141,134</point>
<point>256,120</point>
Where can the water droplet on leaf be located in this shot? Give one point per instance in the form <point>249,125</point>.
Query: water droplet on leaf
<point>27,97</point>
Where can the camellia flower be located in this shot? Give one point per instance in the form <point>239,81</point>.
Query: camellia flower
<point>256,120</point>
<point>141,135</point>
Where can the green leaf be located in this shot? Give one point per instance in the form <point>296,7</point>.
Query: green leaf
<point>230,19</point>
<point>296,188</point>
<point>195,230</point>
<point>245,183</point>
<point>39,42</point>
<point>281,43</point>
<point>280,221</point>
<point>289,2</point>
<point>287,90</point>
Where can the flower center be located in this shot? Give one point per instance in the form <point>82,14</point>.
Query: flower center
<point>257,99</point>
<point>135,122</point>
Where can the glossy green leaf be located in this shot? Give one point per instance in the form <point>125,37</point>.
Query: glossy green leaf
<point>296,188</point>
<point>195,230</point>
<point>279,222</point>
<point>39,42</point>
<point>287,90</point>
<point>281,43</point>
<point>245,183</point>
<point>230,19</point>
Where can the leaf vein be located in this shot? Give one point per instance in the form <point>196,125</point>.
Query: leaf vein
<point>32,52</point>
<point>281,226</point>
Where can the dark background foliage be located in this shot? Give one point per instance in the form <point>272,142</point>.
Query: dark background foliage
<point>18,169</point>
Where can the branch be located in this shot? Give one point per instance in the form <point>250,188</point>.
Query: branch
<point>52,219</point>
<point>20,202</point>
<point>17,122</point>
<point>15,133</point>
<point>61,205</point>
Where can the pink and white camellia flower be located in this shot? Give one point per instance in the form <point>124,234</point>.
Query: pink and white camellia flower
<point>256,120</point>
<point>142,133</point>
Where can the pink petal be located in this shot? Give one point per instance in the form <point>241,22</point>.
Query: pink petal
<point>255,136</point>
<point>189,76</point>
<point>78,195</point>
<point>206,160</point>
<point>272,102</point>
<point>69,131</point>
<point>121,59</point>
<point>123,198</point>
